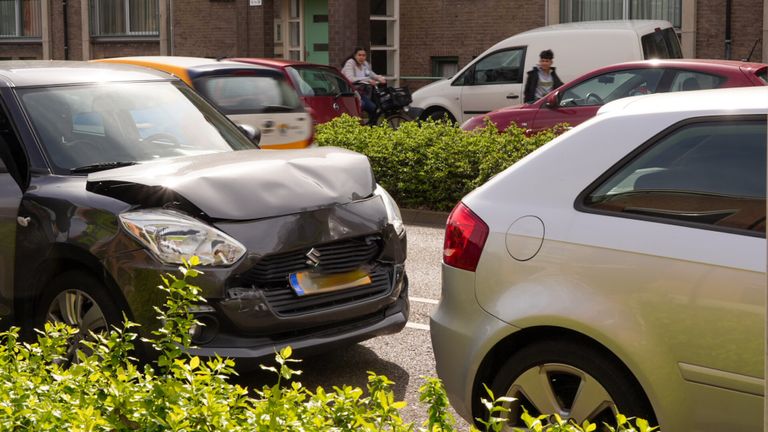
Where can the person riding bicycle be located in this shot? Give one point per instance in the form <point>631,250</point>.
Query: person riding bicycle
<point>357,70</point>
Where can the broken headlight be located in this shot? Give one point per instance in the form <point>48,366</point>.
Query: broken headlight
<point>172,236</point>
<point>393,211</point>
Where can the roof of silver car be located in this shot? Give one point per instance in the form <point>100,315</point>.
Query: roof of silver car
<point>26,73</point>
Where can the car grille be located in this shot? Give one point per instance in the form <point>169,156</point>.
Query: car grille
<point>270,274</point>
<point>285,302</point>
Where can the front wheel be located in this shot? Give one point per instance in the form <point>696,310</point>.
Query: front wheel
<point>569,379</point>
<point>80,301</point>
<point>438,114</point>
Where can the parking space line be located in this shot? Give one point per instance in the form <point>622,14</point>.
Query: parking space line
<point>417,326</point>
<point>423,300</point>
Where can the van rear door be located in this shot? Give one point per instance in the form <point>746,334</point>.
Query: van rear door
<point>661,44</point>
<point>494,81</point>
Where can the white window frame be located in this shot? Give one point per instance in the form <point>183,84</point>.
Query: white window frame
<point>567,6</point>
<point>392,51</point>
<point>18,22</point>
<point>299,21</point>
<point>126,31</point>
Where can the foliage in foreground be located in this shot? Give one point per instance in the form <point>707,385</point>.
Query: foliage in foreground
<point>105,390</point>
<point>431,165</point>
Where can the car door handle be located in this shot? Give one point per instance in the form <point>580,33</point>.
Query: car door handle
<point>513,96</point>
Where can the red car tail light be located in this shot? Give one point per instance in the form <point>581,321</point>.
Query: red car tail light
<point>465,236</point>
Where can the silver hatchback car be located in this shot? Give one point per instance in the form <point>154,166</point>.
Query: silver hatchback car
<point>619,268</point>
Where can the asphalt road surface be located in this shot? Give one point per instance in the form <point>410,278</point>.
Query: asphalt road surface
<point>404,357</point>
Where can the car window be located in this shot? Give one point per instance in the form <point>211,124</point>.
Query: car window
<point>685,80</point>
<point>611,86</point>
<point>500,67</point>
<point>762,74</point>
<point>319,81</point>
<point>709,174</point>
<point>126,122</point>
<point>235,94</point>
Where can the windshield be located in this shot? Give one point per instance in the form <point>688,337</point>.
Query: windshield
<point>120,123</point>
<point>319,81</point>
<point>249,94</point>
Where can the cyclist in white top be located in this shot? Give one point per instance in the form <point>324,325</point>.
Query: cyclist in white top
<point>359,71</point>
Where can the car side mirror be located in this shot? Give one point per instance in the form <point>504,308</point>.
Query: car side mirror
<point>253,133</point>
<point>552,100</point>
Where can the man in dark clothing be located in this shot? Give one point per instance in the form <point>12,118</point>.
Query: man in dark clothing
<point>542,79</point>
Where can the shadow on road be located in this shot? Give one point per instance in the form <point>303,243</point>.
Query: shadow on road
<point>345,366</point>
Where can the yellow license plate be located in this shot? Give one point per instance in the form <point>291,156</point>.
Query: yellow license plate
<point>308,283</point>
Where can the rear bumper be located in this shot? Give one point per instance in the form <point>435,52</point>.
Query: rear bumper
<point>462,335</point>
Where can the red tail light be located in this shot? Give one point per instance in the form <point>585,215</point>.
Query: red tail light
<point>465,235</point>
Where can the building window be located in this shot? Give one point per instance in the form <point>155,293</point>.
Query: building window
<point>295,30</point>
<point>591,10</point>
<point>20,19</point>
<point>385,37</point>
<point>445,67</point>
<point>125,18</point>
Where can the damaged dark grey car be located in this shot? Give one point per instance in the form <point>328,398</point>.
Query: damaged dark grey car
<point>111,175</point>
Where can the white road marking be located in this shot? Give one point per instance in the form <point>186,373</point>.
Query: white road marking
<point>423,300</point>
<point>417,326</point>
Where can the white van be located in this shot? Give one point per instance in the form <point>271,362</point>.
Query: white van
<point>495,78</point>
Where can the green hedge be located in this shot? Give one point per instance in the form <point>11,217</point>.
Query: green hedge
<point>431,165</point>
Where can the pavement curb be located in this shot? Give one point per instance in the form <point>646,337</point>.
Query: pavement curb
<point>429,218</point>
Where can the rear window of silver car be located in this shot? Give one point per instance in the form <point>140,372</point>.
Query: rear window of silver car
<point>709,174</point>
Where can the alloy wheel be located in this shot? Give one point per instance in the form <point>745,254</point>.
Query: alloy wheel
<point>555,388</point>
<point>79,310</point>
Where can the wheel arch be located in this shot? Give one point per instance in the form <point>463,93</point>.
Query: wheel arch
<point>498,355</point>
<point>62,258</point>
<point>432,108</point>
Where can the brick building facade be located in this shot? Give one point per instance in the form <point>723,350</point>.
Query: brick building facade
<point>409,38</point>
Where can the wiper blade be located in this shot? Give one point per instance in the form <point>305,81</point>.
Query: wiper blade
<point>101,166</point>
<point>278,108</point>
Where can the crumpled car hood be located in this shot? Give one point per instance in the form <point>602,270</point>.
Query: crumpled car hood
<point>248,184</point>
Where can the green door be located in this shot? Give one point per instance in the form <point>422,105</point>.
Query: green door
<point>316,31</point>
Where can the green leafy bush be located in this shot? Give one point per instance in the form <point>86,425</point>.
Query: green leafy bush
<point>431,165</point>
<point>105,390</point>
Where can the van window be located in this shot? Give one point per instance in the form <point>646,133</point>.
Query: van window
<point>661,44</point>
<point>500,67</point>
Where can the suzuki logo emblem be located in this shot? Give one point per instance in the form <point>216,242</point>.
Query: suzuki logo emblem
<point>336,106</point>
<point>313,257</point>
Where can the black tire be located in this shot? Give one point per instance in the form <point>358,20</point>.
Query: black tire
<point>81,301</point>
<point>438,114</point>
<point>394,120</point>
<point>557,374</point>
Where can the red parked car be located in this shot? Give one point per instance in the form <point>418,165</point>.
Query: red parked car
<point>579,100</point>
<point>326,93</point>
